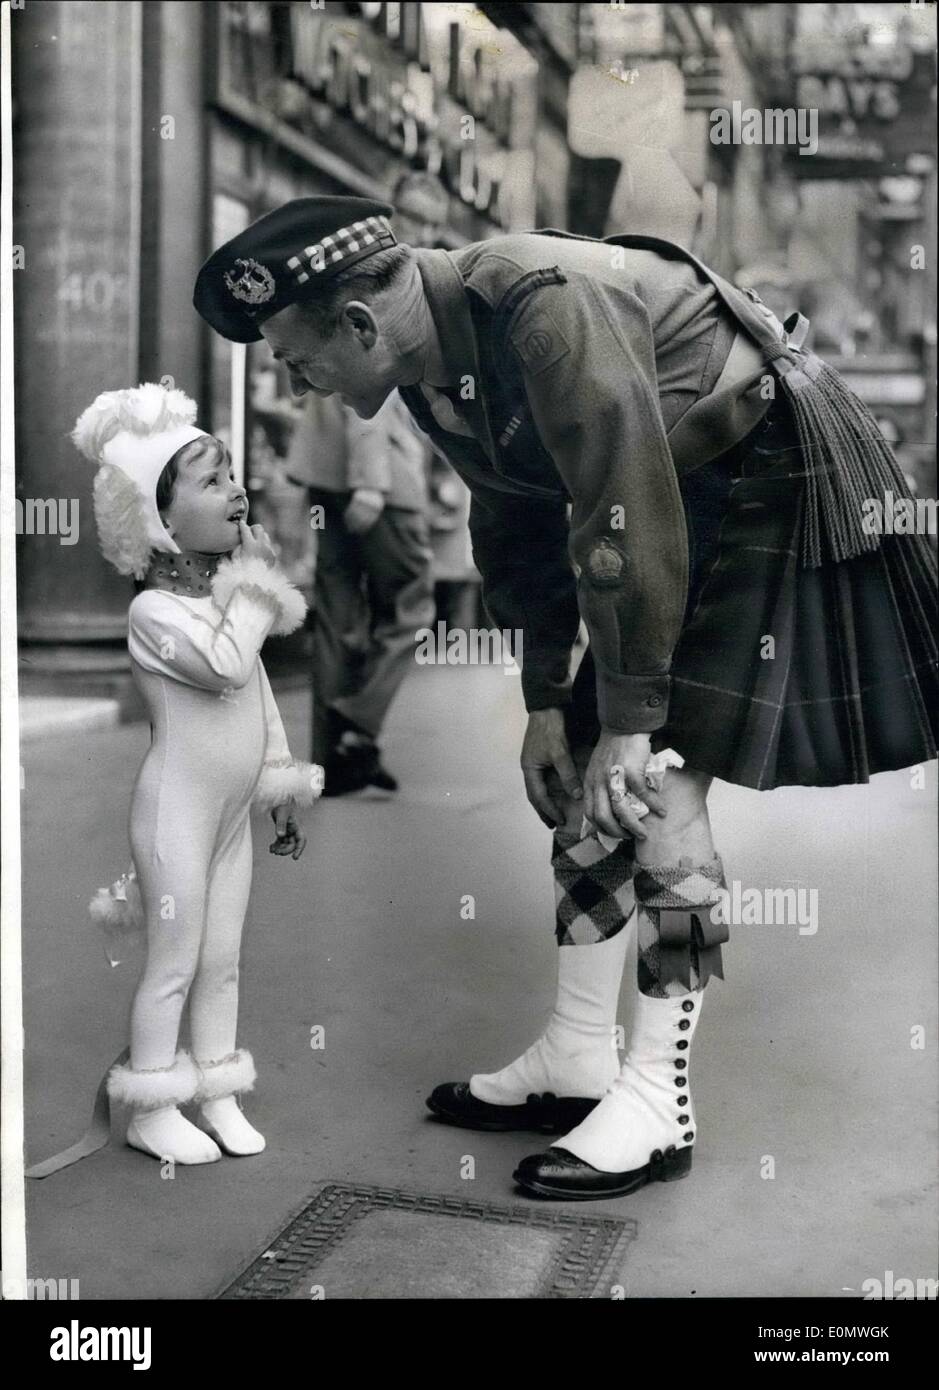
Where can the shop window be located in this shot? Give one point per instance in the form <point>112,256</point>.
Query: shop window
<point>255,414</point>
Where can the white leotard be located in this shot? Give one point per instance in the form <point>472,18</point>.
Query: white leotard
<point>217,734</point>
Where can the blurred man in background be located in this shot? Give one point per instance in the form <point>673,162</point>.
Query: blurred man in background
<point>373,585</point>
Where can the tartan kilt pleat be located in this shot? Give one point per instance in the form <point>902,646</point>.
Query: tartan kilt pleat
<point>785,675</point>
<point>793,676</point>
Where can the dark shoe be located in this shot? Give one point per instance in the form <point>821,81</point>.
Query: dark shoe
<point>454,1102</point>
<point>355,760</point>
<point>343,774</point>
<point>560,1174</point>
<point>337,726</point>
<point>369,755</point>
<point>380,777</point>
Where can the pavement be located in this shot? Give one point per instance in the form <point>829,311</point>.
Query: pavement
<point>44,716</point>
<point>815,1166</point>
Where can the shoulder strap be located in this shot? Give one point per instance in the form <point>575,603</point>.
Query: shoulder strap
<point>753,316</point>
<point>745,306</point>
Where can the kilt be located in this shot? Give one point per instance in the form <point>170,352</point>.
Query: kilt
<point>785,675</point>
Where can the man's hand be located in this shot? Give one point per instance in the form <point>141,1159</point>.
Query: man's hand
<point>364,509</point>
<point>617,771</point>
<point>290,838</point>
<point>545,747</point>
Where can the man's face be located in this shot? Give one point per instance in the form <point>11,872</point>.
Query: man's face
<point>355,363</point>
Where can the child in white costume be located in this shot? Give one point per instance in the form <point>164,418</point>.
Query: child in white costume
<point>194,636</point>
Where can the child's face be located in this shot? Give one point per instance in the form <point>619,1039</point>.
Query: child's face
<point>207,502</point>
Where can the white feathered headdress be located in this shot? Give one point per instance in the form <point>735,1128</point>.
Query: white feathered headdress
<point>132,435</point>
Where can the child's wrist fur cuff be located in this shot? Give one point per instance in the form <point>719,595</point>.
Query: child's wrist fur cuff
<point>262,582</point>
<point>297,783</point>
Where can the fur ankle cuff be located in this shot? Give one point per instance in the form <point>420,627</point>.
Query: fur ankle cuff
<point>229,1077</point>
<point>154,1090</point>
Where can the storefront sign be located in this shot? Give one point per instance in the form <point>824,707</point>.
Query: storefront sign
<point>875,107</point>
<point>459,122</point>
<point>345,65</point>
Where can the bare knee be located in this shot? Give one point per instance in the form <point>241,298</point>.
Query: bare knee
<point>685,831</point>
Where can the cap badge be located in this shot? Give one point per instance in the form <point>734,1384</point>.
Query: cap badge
<point>251,282</point>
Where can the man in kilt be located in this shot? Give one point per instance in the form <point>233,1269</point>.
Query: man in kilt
<point>648,449</point>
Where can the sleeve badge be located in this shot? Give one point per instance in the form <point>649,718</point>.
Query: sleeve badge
<point>540,344</point>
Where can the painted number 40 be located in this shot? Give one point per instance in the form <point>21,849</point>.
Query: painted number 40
<point>97,292</point>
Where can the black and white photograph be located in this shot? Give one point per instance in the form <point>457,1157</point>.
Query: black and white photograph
<point>469,672</point>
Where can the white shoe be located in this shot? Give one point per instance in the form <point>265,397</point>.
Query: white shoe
<point>167,1135</point>
<point>157,1127</point>
<point>219,1112</point>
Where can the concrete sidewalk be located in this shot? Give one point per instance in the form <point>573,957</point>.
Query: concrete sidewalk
<point>52,716</point>
<point>803,1056</point>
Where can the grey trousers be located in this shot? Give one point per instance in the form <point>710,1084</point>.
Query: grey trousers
<point>372,593</point>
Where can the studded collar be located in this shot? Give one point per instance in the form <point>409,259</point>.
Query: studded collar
<point>188,574</point>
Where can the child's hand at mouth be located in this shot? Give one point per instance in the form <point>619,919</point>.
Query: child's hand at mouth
<point>255,542</point>
<point>290,838</point>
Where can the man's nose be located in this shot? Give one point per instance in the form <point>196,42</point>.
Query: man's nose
<point>298,386</point>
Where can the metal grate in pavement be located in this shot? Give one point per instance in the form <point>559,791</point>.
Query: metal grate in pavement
<point>378,1242</point>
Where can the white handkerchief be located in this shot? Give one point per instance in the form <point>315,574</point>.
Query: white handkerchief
<point>656,768</point>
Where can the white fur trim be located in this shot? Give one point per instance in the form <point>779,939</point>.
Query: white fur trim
<point>144,410</point>
<point>143,461</point>
<point>154,1090</point>
<point>229,1077</point>
<point>297,782</point>
<point>264,581</point>
<point>123,537</point>
<point>119,907</point>
<point>133,434</point>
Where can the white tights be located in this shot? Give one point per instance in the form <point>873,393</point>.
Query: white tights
<point>195,907</point>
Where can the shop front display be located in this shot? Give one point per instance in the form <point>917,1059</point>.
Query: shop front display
<point>399,102</point>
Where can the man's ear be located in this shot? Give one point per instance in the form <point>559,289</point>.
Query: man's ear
<point>360,319</point>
